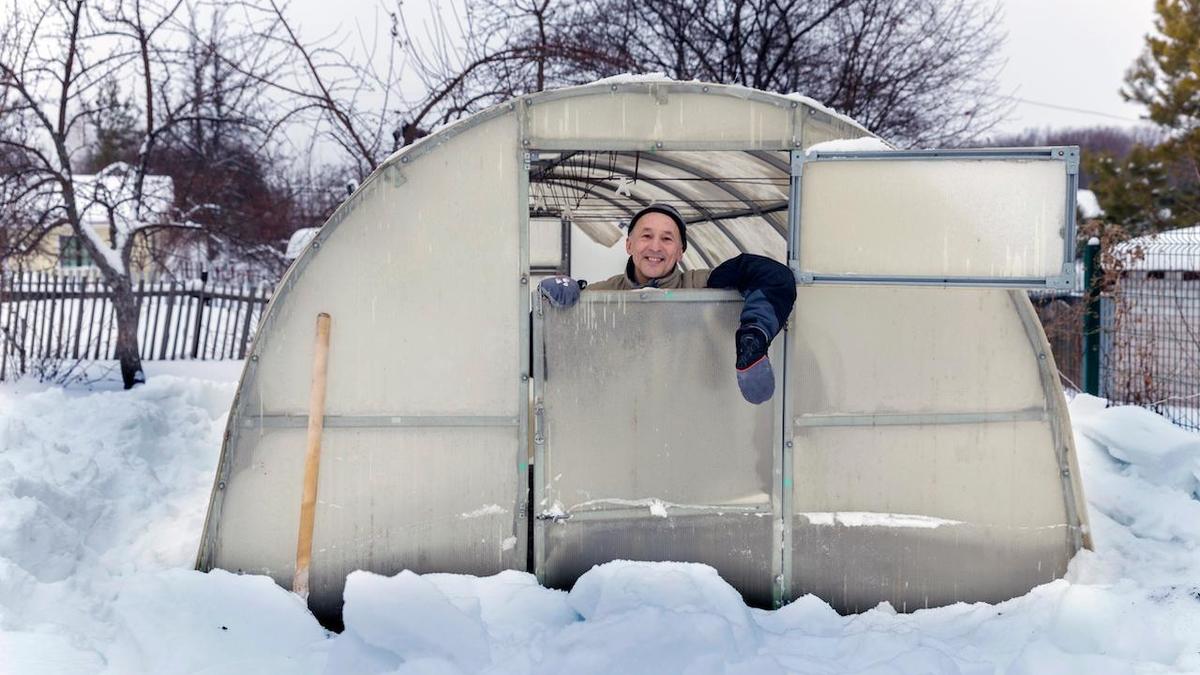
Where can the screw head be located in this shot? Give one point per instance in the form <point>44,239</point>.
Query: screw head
<point>613,87</point>
<point>524,279</point>
<point>221,485</point>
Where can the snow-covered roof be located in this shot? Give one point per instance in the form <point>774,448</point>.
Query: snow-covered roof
<point>299,241</point>
<point>114,188</point>
<point>1170,250</point>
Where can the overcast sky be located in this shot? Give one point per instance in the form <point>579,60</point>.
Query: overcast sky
<point>1073,54</point>
<point>1064,53</point>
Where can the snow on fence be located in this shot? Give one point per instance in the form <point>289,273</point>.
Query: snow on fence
<point>49,319</point>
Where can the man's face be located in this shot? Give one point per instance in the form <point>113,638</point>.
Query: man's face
<point>655,246</point>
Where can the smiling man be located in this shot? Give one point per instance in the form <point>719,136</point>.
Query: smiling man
<point>656,242</point>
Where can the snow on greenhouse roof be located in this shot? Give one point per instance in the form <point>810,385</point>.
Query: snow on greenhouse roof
<point>863,144</point>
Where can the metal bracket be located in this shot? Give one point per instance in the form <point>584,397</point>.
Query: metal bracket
<point>1071,155</point>
<point>797,164</point>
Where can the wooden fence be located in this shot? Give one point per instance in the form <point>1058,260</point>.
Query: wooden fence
<point>48,317</point>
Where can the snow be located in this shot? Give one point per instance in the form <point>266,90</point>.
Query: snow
<point>626,78</point>
<point>1089,205</point>
<point>864,144</point>
<point>488,510</point>
<point>868,519</point>
<point>1171,250</point>
<point>299,241</point>
<point>103,493</point>
<point>113,188</point>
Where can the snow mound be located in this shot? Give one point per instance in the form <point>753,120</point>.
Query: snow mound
<point>178,620</point>
<point>1157,451</point>
<point>102,497</point>
<point>96,488</point>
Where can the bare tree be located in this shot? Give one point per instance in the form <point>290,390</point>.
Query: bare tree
<point>55,57</point>
<point>919,72</point>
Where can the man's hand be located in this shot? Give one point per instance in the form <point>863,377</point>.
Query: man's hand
<point>755,377</point>
<point>561,291</point>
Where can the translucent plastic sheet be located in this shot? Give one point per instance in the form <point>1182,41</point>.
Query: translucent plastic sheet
<point>651,452</point>
<point>995,218</point>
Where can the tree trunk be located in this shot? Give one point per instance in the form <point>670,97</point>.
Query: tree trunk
<point>127,339</point>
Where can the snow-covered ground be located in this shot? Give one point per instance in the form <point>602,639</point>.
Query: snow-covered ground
<point>103,492</point>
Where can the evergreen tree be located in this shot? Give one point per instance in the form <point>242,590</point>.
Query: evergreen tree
<point>1158,187</point>
<point>114,122</point>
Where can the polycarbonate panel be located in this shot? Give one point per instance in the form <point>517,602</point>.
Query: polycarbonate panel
<point>994,218</point>
<point>626,384</point>
<point>651,452</point>
<point>910,350</point>
<point>421,278</point>
<point>1000,474</point>
<point>545,242</point>
<point>924,461</point>
<point>856,566</point>
<point>739,546</point>
<point>665,114</point>
<point>389,499</point>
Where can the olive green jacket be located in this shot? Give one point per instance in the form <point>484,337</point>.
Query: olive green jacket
<point>676,279</point>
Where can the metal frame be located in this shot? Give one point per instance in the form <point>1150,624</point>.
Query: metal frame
<point>1068,155</point>
<point>523,343</point>
<point>298,421</point>
<point>1056,409</point>
<point>537,495</point>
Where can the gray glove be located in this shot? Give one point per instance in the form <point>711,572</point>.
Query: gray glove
<point>755,377</point>
<point>561,291</point>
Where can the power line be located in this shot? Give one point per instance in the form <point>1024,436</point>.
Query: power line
<point>1071,109</point>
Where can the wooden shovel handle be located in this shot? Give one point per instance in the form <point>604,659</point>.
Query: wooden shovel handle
<point>312,457</point>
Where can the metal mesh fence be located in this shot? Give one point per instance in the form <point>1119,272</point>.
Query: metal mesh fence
<point>1150,325</point>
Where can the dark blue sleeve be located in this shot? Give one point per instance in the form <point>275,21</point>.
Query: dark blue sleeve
<point>768,287</point>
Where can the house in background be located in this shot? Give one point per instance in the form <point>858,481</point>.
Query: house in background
<point>108,209</point>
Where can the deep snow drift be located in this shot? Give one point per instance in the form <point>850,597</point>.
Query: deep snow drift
<point>102,496</point>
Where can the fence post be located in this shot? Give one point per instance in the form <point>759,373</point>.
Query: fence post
<point>1091,317</point>
<point>199,312</point>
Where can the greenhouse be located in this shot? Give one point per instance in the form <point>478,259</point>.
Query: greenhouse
<point>917,450</point>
